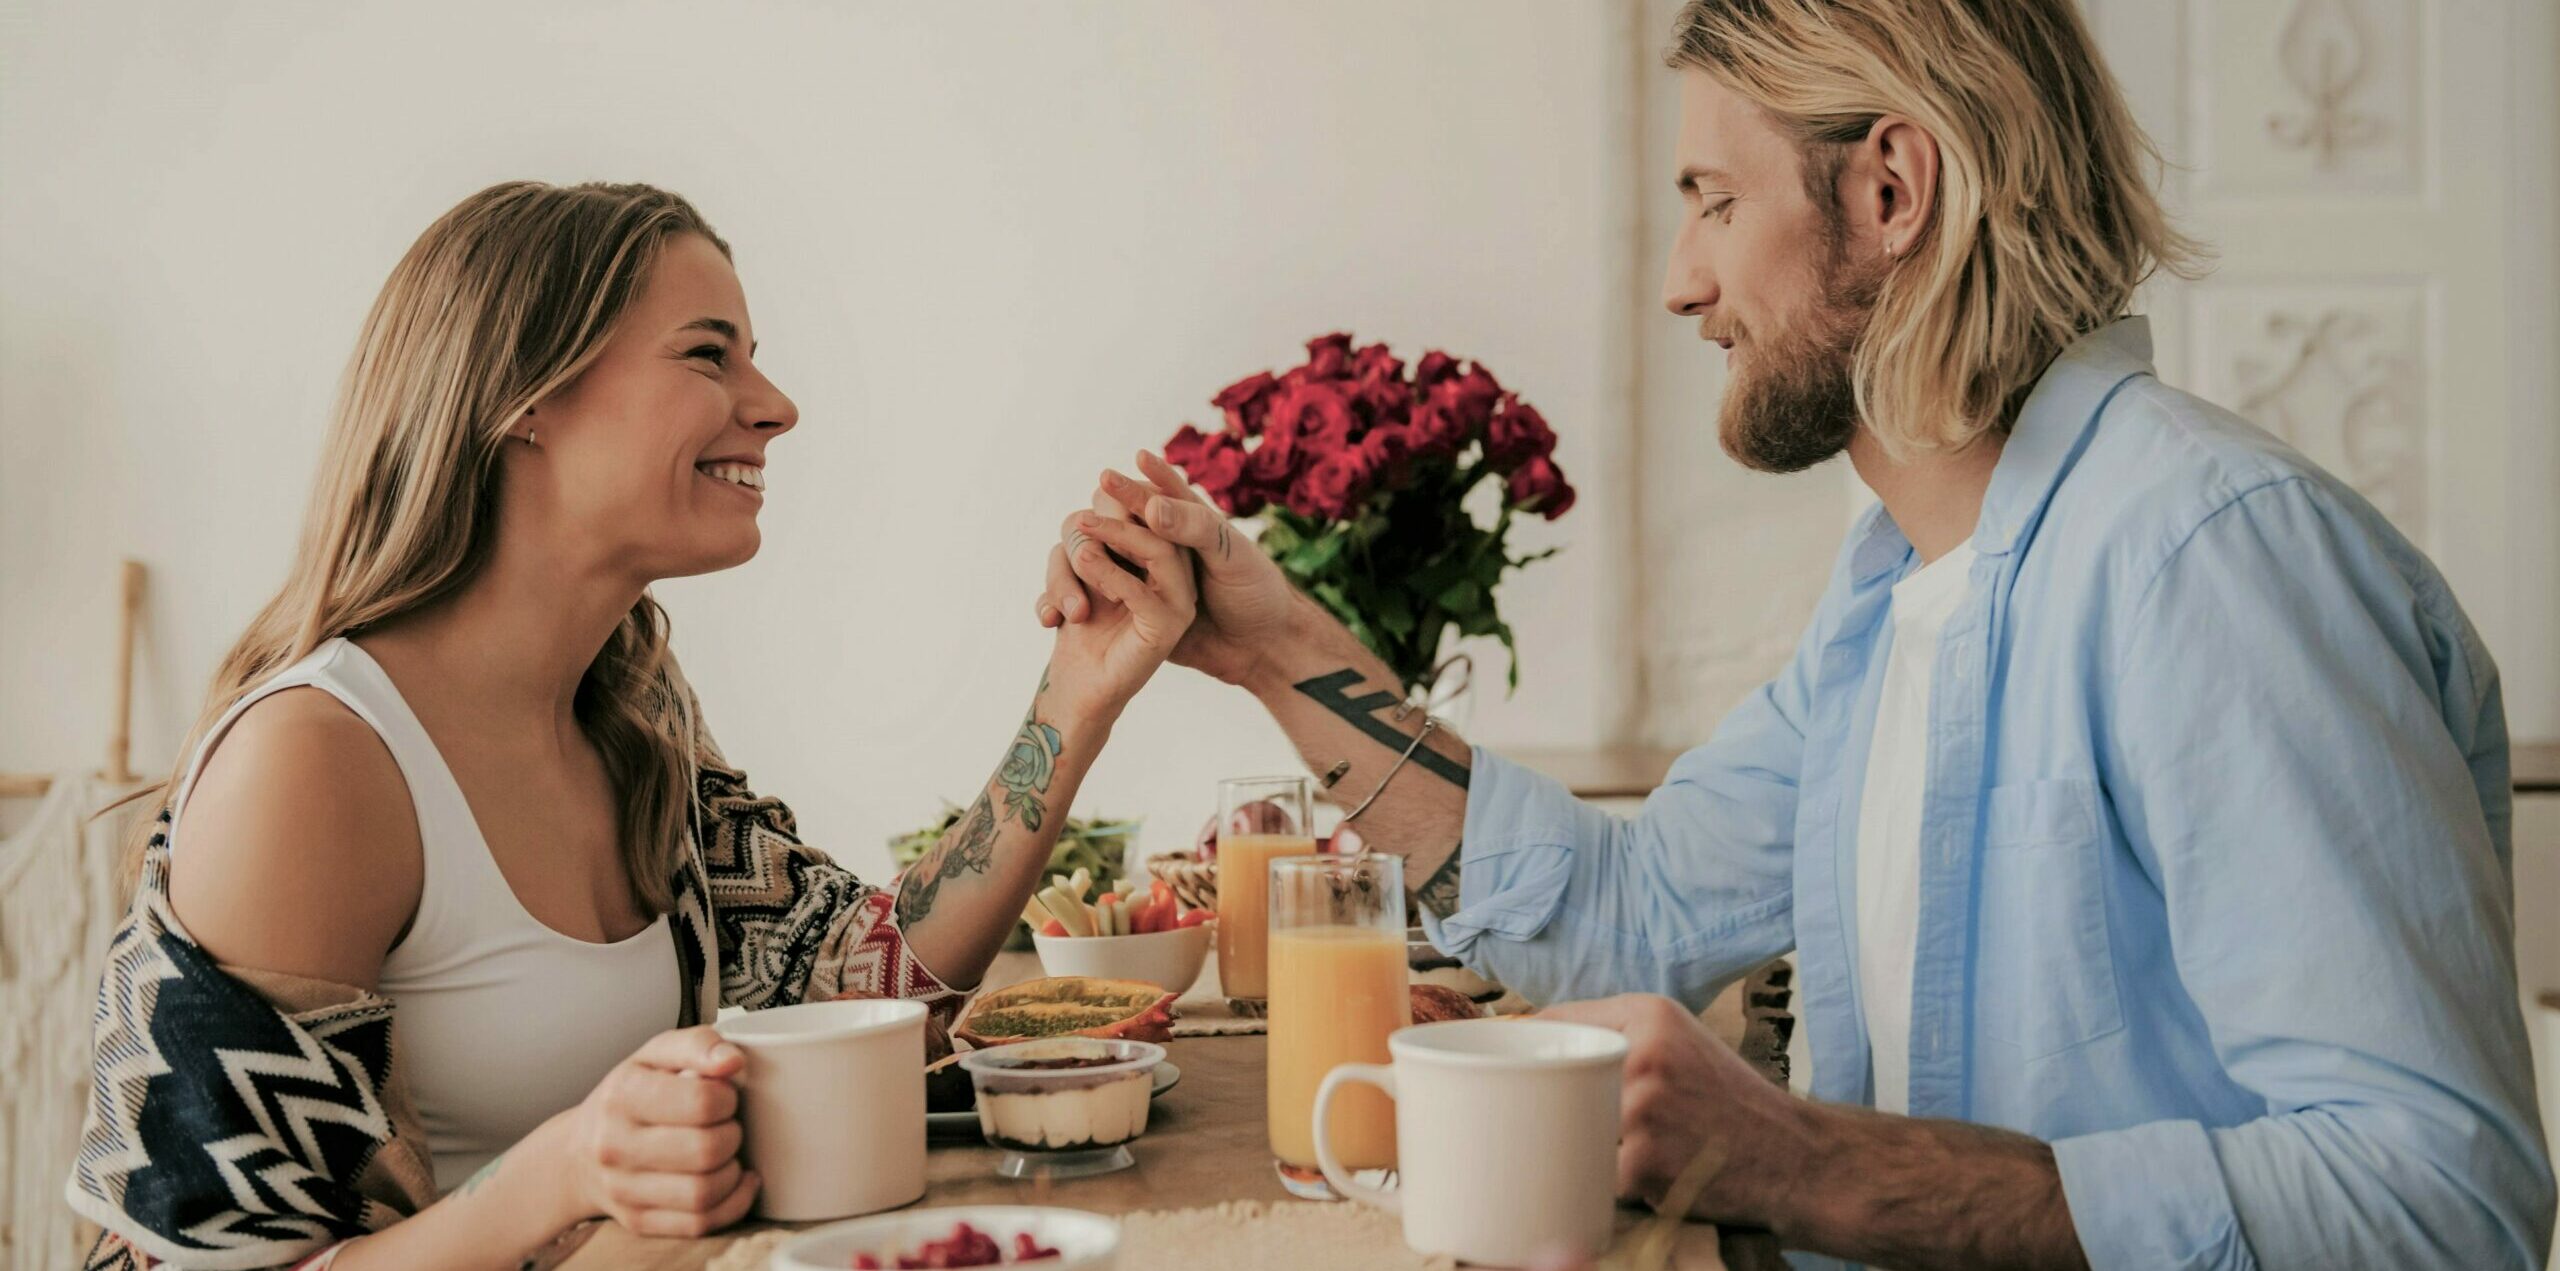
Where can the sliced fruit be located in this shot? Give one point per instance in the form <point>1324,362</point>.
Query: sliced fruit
<point>1068,1005</point>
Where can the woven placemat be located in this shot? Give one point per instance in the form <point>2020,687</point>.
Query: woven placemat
<point>1251,1235</point>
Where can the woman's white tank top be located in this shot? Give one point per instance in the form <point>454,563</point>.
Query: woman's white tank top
<point>502,1021</point>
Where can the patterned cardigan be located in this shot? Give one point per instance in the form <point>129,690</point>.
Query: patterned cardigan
<point>245,1119</point>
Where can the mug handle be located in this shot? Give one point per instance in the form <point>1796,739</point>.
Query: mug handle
<point>1384,1078</point>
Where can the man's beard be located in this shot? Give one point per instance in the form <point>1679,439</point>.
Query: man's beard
<point>1795,403</point>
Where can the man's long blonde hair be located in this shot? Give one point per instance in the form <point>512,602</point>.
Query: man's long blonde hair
<point>2045,220</point>
<point>501,302</point>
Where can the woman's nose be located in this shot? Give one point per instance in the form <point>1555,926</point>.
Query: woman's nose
<point>771,411</point>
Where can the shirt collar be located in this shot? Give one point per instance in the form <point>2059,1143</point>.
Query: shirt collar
<point>2052,426</point>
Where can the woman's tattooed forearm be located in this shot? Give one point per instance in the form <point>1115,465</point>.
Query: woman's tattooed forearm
<point>1028,769</point>
<point>1333,692</point>
<point>1439,893</point>
<point>970,848</point>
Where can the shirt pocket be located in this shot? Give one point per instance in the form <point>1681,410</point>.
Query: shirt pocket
<point>2046,970</point>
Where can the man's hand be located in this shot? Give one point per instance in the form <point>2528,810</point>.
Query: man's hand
<point>1246,604</point>
<point>1884,1190</point>
<point>1688,1095</point>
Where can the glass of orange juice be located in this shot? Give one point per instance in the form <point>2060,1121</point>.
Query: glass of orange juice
<point>1259,820</point>
<point>1337,989</point>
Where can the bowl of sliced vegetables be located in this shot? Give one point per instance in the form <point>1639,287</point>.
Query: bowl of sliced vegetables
<point>1128,933</point>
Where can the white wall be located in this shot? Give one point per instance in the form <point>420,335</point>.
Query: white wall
<point>988,247</point>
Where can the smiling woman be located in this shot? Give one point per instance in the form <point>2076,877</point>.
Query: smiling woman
<point>453,773</point>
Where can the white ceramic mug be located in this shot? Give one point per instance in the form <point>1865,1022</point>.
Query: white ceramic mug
<point>832,1102</point>
<point>1506,1137</point>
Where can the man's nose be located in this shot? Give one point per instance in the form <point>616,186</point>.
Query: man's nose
<point>1687,288</point>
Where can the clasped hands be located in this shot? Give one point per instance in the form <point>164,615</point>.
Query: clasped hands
<point>1688,1096</point>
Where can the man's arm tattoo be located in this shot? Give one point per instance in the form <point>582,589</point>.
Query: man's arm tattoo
<point>1332,693</point>
<point>1439,893</point>
<point>968,849</point>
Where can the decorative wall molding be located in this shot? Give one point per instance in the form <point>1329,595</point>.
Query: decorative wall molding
<point>2338,373</point>
<point>2284,98</point>
<point>2323,55</point>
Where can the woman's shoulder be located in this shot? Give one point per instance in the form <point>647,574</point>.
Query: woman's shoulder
<point>297,848</point>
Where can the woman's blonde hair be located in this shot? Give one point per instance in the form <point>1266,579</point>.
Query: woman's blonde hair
<point>502,301</point>
<point>2045,220</point>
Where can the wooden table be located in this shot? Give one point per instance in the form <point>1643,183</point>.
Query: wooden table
<point>1205,1143</point>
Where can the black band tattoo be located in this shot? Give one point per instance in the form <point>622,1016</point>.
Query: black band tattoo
<point>1222,540</point>
<point>1439,893</point>
<point>968,849</point>
<point>1332,692</point>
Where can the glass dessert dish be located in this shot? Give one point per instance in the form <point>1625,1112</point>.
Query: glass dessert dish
<point>1065,1107</point>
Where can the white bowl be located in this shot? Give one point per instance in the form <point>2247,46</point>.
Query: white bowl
<point>1169,959</point>
<point>1085,1242</point>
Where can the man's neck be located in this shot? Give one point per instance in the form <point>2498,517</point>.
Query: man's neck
<point>1933,498</point>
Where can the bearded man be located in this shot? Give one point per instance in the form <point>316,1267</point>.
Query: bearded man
<point>2136,802</point>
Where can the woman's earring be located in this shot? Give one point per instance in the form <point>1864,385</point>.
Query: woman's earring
<point>528,437</point>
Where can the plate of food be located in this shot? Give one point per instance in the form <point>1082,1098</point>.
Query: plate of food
<point>1059,1006</point>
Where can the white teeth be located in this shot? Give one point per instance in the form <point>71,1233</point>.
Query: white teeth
<point>734,473</point>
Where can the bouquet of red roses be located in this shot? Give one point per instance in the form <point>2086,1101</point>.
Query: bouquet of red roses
<point>1361,467</point>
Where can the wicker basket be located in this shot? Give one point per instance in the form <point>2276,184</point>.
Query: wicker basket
<point>1194,881</point>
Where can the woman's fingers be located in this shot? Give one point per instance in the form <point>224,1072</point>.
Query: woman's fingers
<point>689,1223</point>
<point>680,1149</point>
<point>698,1049</point>
<point>1063,593</point>
<point>650,1096</point>
<point>681,1192</point>
<point>1148,551</point>
<point>1152,608</point>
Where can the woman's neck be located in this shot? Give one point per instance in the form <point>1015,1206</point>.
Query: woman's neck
<point>510,649</point>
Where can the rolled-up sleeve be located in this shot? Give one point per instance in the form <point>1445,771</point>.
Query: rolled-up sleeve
<point>2309,761</point>
<point>1561,900</point>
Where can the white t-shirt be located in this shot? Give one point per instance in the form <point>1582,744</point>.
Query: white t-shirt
<point>1889,819</point>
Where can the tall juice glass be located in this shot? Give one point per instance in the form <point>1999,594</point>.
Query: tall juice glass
<point>1259,819</point>
<point>1338,987</point>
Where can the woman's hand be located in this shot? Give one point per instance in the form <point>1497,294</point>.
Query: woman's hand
<point>1246,605</point>
<point>655,1146</point>
<point>1139,598</point>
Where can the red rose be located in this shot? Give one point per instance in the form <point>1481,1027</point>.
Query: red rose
<point>1245,402</point>
<point>1517,434</point>
<point>1317,413</point>
<point>1328,356</point>
<point>1217,467</point>
<point>1434,367</point>
<point>1539,486</point>
<point>1374,362</point>
<point>1275,461</point>
<point>1437,430</point>
<point>1184,450</point>
<point>1475,394</point>
<point>1336,485</point>
<point>1391,452</point>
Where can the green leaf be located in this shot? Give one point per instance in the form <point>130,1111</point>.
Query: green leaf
<point>1462,598</point>
<point>1317,555</point>
<point>1395,613</point>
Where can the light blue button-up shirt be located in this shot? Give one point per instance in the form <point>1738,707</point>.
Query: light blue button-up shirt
<point>2215,892</point>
